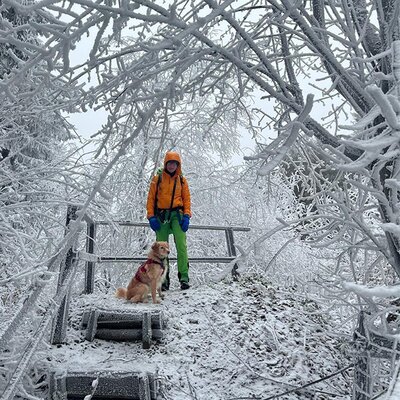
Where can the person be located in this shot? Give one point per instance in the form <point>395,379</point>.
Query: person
<point>169,211</point>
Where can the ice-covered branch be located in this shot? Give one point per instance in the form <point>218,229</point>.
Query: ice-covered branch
<point>371,292</point>
<point>385,106</point>
<point>295,127</point>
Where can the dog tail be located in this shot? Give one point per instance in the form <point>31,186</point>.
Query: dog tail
<point>121,293</point>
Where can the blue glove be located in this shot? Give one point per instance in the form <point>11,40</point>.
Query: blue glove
<point>185,222</point>
<point>154,223</point>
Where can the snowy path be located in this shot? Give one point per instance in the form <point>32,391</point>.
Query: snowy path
<point>223,341</point>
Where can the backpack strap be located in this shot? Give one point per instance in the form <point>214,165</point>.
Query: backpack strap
<point>156,197</point>
<point>172,197</point>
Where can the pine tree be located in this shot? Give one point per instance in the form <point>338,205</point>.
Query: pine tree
<point>30,131</point>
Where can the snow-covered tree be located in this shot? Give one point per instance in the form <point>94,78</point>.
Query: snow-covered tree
<point>35,172</point>
<point>323,75</point>
<point>147,62</point>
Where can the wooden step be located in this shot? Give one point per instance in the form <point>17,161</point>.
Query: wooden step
<point>122,325</point>
<point>133,317</point>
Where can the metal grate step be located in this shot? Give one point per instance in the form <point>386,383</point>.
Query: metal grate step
<point>70,385</point>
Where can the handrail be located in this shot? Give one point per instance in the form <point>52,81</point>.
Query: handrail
<point>33,295</point>
<point>30,300</point>
<point>65,280</point>
<point>192,226</point>
<point>143,258</point>
<point>91,259</point>
<point>41,330</point>
<point>88,218</point>
<point>371,343</point>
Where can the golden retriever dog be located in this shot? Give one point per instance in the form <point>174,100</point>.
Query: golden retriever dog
<point>148,277</point>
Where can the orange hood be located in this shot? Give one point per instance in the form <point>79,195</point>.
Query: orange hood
<point>173,156</point>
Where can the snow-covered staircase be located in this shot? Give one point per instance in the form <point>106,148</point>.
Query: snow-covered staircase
<point>100,324</point>
<point>76,368</point>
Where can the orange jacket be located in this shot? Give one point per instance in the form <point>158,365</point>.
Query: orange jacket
<point>165,188</point>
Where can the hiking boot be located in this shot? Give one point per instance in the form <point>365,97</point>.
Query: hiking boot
<point>185,286</point>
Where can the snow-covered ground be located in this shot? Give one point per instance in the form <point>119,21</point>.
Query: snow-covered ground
<point>227,340</point>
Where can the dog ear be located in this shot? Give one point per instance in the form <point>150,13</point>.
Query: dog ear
<point>155,246</point>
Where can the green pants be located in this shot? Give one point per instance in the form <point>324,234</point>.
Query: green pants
<point>162,235</point>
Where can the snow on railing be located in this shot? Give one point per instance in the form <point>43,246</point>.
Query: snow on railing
<point>37,336</point>
<point>34,292</point>
<point>378,352</point>
<point>394,387</point>
<point>65,260</point>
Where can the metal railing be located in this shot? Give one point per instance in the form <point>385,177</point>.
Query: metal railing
<point>92,259</point>
<point>378,355</point>
<point>56,312</point>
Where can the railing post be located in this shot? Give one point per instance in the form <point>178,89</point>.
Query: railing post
<point>362,368</point>
<point>90,266</point>
<point>60,321</point>
<point>230,241</point>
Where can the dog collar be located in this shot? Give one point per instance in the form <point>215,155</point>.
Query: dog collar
<point>152,261</point>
